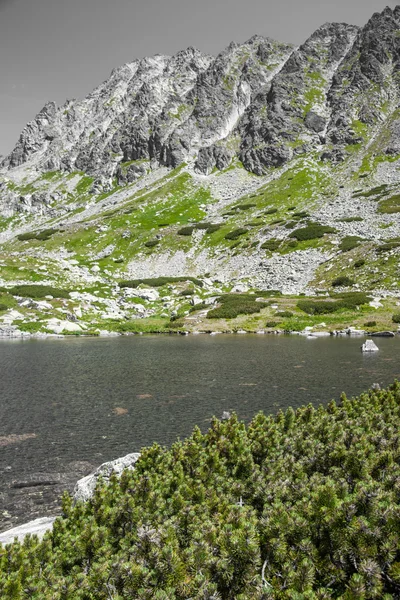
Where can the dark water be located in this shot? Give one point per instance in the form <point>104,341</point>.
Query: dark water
<point>66,392</point>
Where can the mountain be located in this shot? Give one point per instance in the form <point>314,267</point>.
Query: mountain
<point>268,167</point>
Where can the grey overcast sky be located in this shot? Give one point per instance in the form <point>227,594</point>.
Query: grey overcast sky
<point>59,49</point>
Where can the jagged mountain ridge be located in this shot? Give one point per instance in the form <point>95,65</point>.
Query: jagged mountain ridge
<point>162,108</point>
<point>262,101</point>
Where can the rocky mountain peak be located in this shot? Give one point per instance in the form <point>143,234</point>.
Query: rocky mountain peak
<point>261,101</point>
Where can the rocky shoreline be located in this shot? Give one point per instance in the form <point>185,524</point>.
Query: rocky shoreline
<point>82,490</point>
<point>13,333</point>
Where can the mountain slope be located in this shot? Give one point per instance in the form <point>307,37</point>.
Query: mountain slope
<point>267,168</point>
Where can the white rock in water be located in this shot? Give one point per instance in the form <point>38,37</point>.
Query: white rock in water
<point>37,527</point>
<point>85,487</point>
<point>369,346</point>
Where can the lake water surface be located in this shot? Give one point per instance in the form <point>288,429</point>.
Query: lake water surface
<point>83,401</point>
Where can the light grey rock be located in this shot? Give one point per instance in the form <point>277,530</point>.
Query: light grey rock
<point>150,295</point>
<point>37,527</point>
<point>315,122</point>
<point>226,415</point>
<point>369,346</point>
<point>85,487</point>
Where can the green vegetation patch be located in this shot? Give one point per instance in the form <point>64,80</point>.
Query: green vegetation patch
<point>271,245</point>
<point>390,205</point>
<point>152,243</point>
<point>208,227</point>
<point>42,236</point>
<point>38,291</point>
<point>186,231</point>
<point>247,206</point>
<point>376,191</point>
<point>342,281</point>
<point>344,301</point>
<point>233,235</point>
<point>359,263</point>
<point>301,214</point>
<point>199,306</point>
<point>298,505</point>
<point>350,242</point>
<point>311,231</point>
<point>387,246</point>
<point>370,324</point>
<point>351,220</point>
<point>158,281</point>
<point>233,305</point>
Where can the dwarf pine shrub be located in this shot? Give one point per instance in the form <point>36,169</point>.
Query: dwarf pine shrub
<point>300,504</point>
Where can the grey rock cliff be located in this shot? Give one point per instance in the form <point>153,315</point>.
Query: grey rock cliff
<point>163,108</point>
<point>262,101</point>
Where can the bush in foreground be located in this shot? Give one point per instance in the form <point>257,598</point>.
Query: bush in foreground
<point>301,505</point>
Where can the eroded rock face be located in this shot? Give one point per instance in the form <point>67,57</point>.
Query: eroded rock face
<point>262,101</point>
<point>287,116</point>
<point>162,108</point>
<point>366,82</point>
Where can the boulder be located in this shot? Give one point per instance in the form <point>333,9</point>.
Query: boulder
<point>369,346</point>
<point>85,487</point>
<point>37,527</point>
<point>58,326</point>
<point>382,334</point>
<point>150,295</point>
<point>315,122</point>
<point>354,331</point>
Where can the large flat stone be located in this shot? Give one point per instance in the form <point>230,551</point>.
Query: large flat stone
<point>37,527</point>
